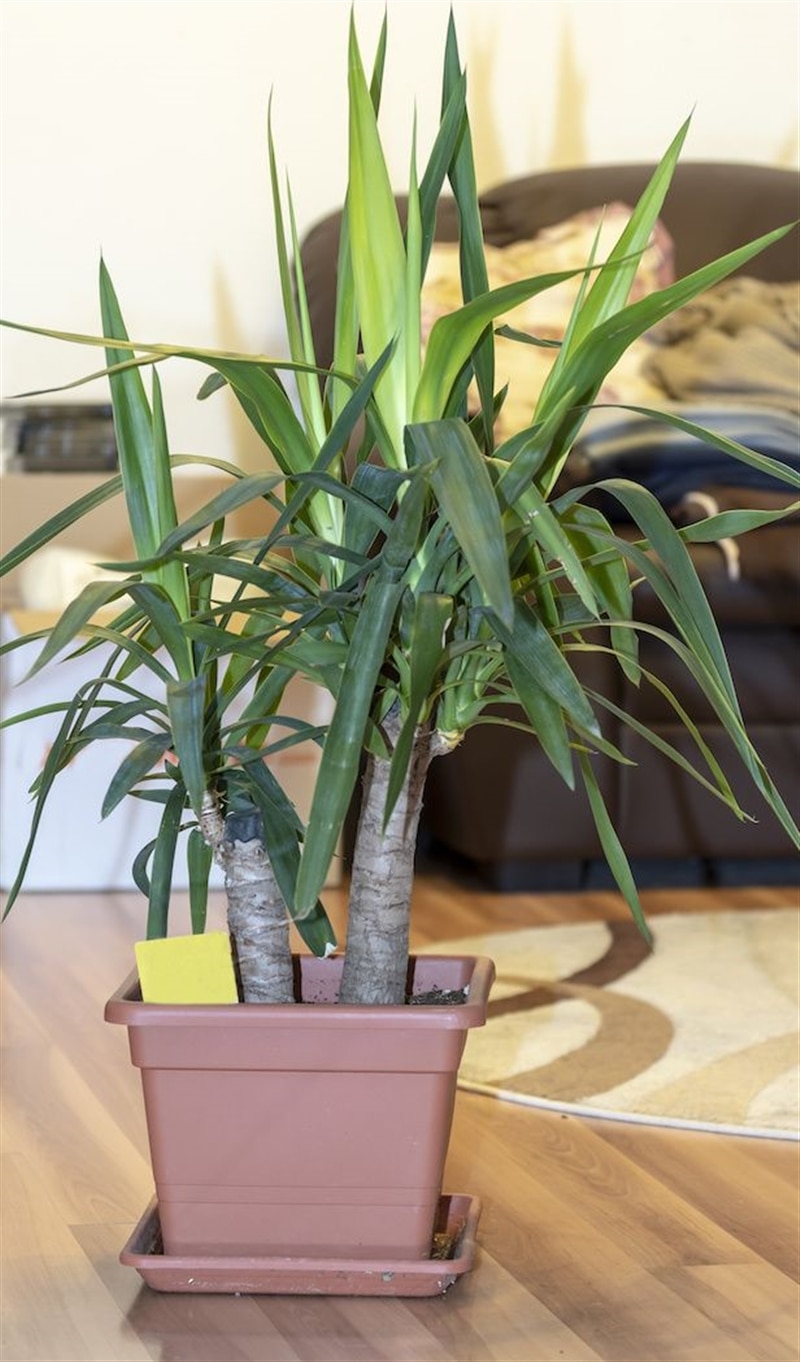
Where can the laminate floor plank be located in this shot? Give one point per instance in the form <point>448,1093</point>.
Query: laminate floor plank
<point>597,1246</point>
<point>54,1307</point>
<point>752,1193</point>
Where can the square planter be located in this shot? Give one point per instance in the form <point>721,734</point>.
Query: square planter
<point>308,1130</point>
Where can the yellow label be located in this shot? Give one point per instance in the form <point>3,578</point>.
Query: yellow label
<point>187,969</point>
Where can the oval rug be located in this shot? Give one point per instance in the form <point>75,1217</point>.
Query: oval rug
<point>702,1031</point>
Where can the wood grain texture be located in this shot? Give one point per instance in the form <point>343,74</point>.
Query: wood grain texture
<point>598,1240</point>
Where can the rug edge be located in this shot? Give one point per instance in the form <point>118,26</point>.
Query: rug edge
<point>625,1118</point>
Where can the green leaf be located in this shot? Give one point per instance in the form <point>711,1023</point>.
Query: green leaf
<point>771,468</point>
<point>137,654</point>
<point>367,516</point>
<point>186,708</point>
<point>199,859</point>
<point>171,576</point>
<point>432,614</point>
<point>611,582</point>
<point>269,410</point>
<point>163,864</point>
<point>610,289</point>
<point>678,585</point>
<point>345,327</point>
<point>412,324</point>
<point>733,524</point>
<point>74,619</point>
<point>465,493</point>
<point>377,254</point>
<point>297,327</point>
<point>544,527</point>
<point>603,346</point>
<point>139,871</point>
<point>546,718</point>
<point>533,649</point>
<point>138,763</point>
<point>143,451</point>
<point>248,488</point>
<point>165,622</point>
<point>316,930</point>
<point>57,757</point>
<point>448,134</point>
<point>472,258</point>
<point>133,424</point>
<point>342,750</point>
<point>612,847</point>
<point>721,789</point>
<point>70,515</point>
<point>453,339</point>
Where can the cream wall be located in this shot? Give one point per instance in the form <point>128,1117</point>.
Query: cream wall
<point>138,129</point>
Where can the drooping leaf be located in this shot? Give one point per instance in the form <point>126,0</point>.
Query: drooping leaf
<point>137,763</point>
<point>533,649</point>
<point>58,755</point>
<point>546,718</point>
<point>63,519</point>
<point>89,601</point>
<point>612,847</point>
<point>675,577</point>
<point>781,471</point>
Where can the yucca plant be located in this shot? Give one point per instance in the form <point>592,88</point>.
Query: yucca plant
<point>428,580</point>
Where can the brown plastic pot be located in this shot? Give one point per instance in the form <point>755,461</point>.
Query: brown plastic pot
<point>305,1131</point>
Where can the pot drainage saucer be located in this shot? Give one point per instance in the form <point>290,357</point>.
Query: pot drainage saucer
<point>452,1255</point>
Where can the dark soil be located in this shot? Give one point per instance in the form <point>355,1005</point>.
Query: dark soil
<point>439,997</point>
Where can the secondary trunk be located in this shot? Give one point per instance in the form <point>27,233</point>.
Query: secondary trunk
<point>376,952</point>
<point>257,916</point>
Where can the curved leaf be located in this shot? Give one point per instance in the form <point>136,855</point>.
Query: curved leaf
<point>137,763</point>
<point>56,524</point>
<point>612,847</point>
<point>533,649</point>
<point>546,718</point>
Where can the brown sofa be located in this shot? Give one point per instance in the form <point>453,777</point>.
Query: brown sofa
<point>496,802</point>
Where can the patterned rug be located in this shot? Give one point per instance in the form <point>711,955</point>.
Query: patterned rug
<point>702,1032</point>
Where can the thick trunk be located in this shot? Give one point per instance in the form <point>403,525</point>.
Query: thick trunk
<point>376,952</point>
<point>257,917</point>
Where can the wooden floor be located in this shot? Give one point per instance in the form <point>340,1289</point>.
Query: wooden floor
<point>597,1239</point>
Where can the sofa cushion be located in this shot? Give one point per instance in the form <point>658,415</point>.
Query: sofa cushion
<point>564,246</point>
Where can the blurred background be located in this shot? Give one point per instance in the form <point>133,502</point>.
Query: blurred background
<point>139,129</point>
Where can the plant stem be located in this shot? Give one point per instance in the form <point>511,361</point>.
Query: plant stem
<point>257,918</point>
<point>376,952</point>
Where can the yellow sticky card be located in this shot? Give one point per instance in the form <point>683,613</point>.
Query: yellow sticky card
<point>187,969</point>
